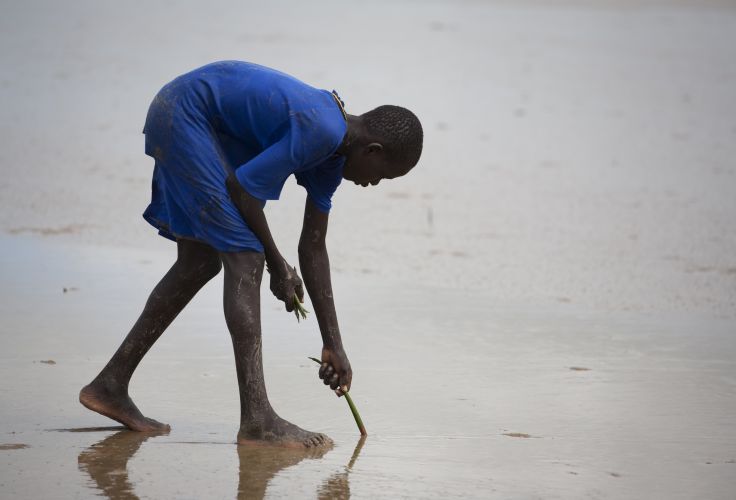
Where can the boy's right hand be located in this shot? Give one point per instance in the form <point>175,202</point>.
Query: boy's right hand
<point>285,283</point>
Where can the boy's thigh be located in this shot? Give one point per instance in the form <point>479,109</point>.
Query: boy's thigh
<point>198,255</point>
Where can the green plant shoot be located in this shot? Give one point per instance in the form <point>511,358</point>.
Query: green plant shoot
<point>299,309</point>
<point>353,409</point>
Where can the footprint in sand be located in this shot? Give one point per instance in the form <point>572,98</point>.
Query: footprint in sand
<point>517,435</point>
<point>16,446</point>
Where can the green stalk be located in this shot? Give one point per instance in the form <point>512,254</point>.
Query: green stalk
<point>299,309</point>
<point>353,409</point>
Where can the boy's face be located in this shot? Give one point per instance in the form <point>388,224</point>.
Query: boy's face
<point>370,166</point>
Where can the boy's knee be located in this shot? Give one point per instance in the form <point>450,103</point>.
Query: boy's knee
<point>242,317</point>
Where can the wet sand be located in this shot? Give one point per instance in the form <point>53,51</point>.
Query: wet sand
<point>549,314</point>
<point>461,397</point>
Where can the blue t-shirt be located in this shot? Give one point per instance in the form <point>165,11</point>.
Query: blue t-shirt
<point>236,116</point>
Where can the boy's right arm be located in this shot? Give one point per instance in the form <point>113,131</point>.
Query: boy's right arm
<point>285,282</point>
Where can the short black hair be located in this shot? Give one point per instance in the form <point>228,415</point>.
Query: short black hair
<point>399,130</point>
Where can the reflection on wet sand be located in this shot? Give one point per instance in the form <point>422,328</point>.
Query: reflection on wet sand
<point>106,462</point>
<point>259,464</point>
<point>337,486</point>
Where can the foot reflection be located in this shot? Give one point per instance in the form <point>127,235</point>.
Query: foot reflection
<point>106,462</point>
<point>258,464</point>
<point>337,487</point>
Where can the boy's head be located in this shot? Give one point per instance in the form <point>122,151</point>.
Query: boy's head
<point>386,143</point>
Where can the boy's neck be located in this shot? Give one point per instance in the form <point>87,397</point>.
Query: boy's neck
<point>353,135</point>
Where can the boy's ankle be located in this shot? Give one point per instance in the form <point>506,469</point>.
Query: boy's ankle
<point>109,384</point>
<point>257,422</point>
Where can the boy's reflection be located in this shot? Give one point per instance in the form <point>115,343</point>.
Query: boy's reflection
<point>106,463</point>
<point>258,464</point>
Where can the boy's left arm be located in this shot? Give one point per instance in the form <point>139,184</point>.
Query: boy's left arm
<point>315,266</point>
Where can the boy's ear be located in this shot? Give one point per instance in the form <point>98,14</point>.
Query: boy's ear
<point>373,147</point>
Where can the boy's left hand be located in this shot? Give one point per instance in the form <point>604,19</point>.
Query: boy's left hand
<point>335,370</point>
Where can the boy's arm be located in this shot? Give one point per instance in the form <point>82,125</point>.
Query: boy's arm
<point>284,280</point>
<point>315,265</point>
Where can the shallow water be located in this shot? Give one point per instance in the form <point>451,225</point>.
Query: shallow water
<point>461,397</point>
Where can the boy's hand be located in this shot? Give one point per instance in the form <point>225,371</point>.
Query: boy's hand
<point>335,370</point>
<point>285,282</point>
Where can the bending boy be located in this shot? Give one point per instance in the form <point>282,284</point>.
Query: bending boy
<point>225,138</point>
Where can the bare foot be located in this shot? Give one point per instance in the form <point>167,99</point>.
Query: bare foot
<point>275,431</point>
<point>117,405</point>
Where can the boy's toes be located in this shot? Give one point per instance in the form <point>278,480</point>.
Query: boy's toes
<point>315,441</point>
<point>152,425</point>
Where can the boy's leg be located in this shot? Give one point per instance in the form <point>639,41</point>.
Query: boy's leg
<point>242,304</point>
<point>196,264</point>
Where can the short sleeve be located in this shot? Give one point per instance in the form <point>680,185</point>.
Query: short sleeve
<point>322,182</point>
<point>264,176</point>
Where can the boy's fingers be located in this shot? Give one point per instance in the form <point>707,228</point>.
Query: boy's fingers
<point>322,370</point>
<point>300,292</point>
<point>289,301</point>
<point>334,382</point>
<point>331,379</point>
<point>341,391</point>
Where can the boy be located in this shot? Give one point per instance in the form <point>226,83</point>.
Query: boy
<point>225,137</point>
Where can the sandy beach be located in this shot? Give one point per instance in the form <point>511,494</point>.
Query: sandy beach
<point>545,308</point>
